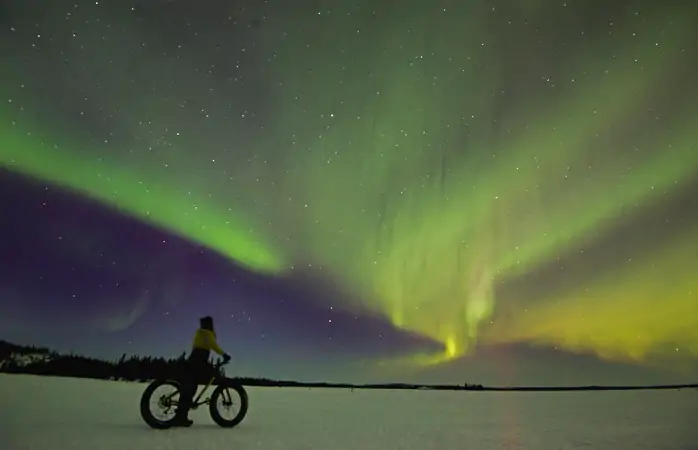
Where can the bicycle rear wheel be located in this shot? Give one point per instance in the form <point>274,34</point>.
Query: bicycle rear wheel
<point>159,403</point>
<point>229,404</point>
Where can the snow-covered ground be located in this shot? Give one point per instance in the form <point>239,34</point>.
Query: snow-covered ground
<point>62,413</point>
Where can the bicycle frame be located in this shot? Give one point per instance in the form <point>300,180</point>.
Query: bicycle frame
<point>196,402</point>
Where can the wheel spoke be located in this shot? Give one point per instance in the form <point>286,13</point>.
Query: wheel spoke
<point>228,405</point>
<point>225,405</point>
<point>163,406</point>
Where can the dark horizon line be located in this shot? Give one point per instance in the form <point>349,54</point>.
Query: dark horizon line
<point>469,387</point>
<point>267,382</point>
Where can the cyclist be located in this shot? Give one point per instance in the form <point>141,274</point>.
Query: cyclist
<point>197,367</point>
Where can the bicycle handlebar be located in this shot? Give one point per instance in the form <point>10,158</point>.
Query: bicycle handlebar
<point>221,362</point>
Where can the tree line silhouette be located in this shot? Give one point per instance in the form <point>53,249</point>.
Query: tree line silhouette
<point>17,359</point>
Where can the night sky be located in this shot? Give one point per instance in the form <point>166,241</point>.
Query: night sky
<point>481,191</point>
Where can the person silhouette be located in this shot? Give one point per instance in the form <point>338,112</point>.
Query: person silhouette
<point>196,368</point>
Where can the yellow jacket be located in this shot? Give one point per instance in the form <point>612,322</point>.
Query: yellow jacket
<point>206,340</point>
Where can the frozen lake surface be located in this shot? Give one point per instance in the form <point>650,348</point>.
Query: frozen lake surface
<point>46,413</point>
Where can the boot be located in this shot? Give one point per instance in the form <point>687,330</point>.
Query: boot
<point>181,418</point>
<point>182,421</point>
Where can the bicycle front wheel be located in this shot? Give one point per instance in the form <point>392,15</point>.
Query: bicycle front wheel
<point>229,403</point>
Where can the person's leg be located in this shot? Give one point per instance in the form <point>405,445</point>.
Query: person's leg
<point>188,385</point>
<point>208,371</point>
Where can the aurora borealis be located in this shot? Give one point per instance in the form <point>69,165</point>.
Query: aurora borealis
<point>474,173</point>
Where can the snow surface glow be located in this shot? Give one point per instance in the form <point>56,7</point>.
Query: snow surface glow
<point>65,413</point>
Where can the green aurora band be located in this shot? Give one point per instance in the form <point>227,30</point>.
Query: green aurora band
<point>374,189</point>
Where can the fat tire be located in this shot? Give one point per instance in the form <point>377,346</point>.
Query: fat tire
<point>146,413</point>
<point>244,404</point>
